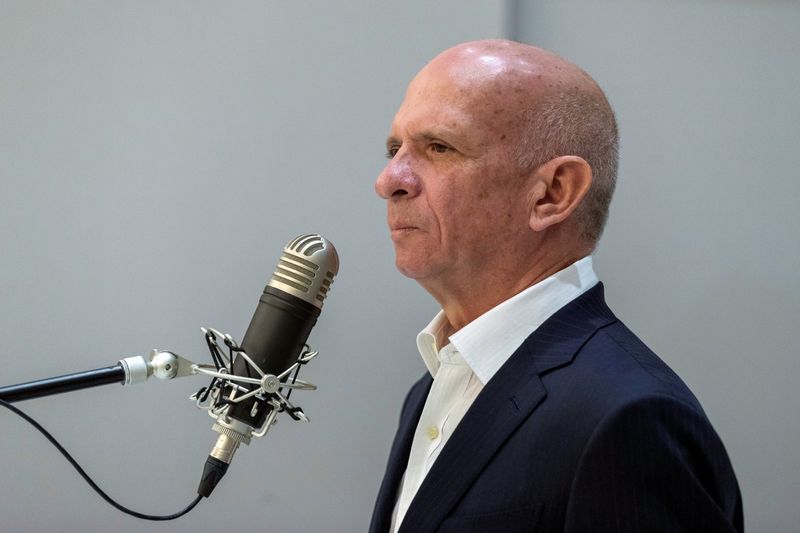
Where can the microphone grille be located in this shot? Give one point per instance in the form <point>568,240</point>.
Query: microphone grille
<point>307,268</point>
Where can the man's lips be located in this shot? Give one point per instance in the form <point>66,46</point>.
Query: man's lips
<point>399,230</point>
<point>398,223</point>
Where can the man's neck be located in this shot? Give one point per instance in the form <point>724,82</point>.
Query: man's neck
<point>464,302</point>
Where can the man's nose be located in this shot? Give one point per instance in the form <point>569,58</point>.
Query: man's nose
<point>398,180</point>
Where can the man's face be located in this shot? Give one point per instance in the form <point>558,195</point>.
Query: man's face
<point>454,193</point>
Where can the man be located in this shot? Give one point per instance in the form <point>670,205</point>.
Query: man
<point>541,411</point>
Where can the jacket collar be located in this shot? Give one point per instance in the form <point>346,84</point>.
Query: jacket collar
<point>486,343</point>
<point>506,400</point>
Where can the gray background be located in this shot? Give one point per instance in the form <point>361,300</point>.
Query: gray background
<point>155,158</point>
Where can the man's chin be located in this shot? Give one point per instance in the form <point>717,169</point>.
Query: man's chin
<point>411,268</point>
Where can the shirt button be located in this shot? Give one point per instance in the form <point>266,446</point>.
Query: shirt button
<point>433,432</point>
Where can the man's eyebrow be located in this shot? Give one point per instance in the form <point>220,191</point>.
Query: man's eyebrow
<point>428,135</point>
<point>432,135</point>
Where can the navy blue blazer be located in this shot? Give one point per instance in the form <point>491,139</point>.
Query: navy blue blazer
<point>583,429</point>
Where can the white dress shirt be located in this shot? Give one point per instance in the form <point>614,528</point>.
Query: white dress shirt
<point>474,354</point>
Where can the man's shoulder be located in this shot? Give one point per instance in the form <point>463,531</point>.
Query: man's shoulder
<point>587,351</point>
<point>615,368</point>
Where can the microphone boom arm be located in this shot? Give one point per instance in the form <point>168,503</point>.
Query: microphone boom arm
<point>127,371</point>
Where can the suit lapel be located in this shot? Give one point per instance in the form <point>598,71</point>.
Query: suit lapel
<point>508,399</point>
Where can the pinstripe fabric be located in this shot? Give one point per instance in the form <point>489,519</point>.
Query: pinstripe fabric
<point>583,429</point>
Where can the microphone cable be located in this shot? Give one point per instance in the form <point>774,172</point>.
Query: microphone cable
<point>89,480</point>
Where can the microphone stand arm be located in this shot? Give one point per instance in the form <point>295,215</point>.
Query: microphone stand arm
<point>128,371</point>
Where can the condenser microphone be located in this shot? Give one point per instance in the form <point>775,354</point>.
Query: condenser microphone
<point>274,340</point>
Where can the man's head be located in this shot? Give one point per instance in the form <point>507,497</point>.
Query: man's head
<point>502,163</point>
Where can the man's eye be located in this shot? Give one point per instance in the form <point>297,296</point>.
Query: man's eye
<point>391,151</point>
<point>439,147</point>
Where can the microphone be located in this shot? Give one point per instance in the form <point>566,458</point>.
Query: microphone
<point>271,350</point>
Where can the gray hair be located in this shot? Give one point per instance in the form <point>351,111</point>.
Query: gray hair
<point>574,121</point>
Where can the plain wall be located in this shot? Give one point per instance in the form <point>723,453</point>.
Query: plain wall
<point>155,157</point>
<point>701,252</point>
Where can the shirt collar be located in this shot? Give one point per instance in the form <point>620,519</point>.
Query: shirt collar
<point>487,342</point>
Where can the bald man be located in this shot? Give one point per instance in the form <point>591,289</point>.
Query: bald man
<point>540,410</point>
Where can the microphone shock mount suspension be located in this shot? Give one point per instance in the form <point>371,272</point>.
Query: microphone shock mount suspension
<point>271,393</point>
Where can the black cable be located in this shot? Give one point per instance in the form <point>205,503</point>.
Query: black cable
<point>89,480</point>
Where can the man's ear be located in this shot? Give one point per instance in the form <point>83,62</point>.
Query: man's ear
<point>557,187</point>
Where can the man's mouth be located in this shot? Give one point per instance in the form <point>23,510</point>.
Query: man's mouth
<point>399,230</point>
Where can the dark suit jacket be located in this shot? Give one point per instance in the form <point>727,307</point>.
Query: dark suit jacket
<point>584,429</point>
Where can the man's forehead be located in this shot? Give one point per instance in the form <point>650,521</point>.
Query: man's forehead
<point>426,115</point>
<point>437,99</point>
<point>426,132</point>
